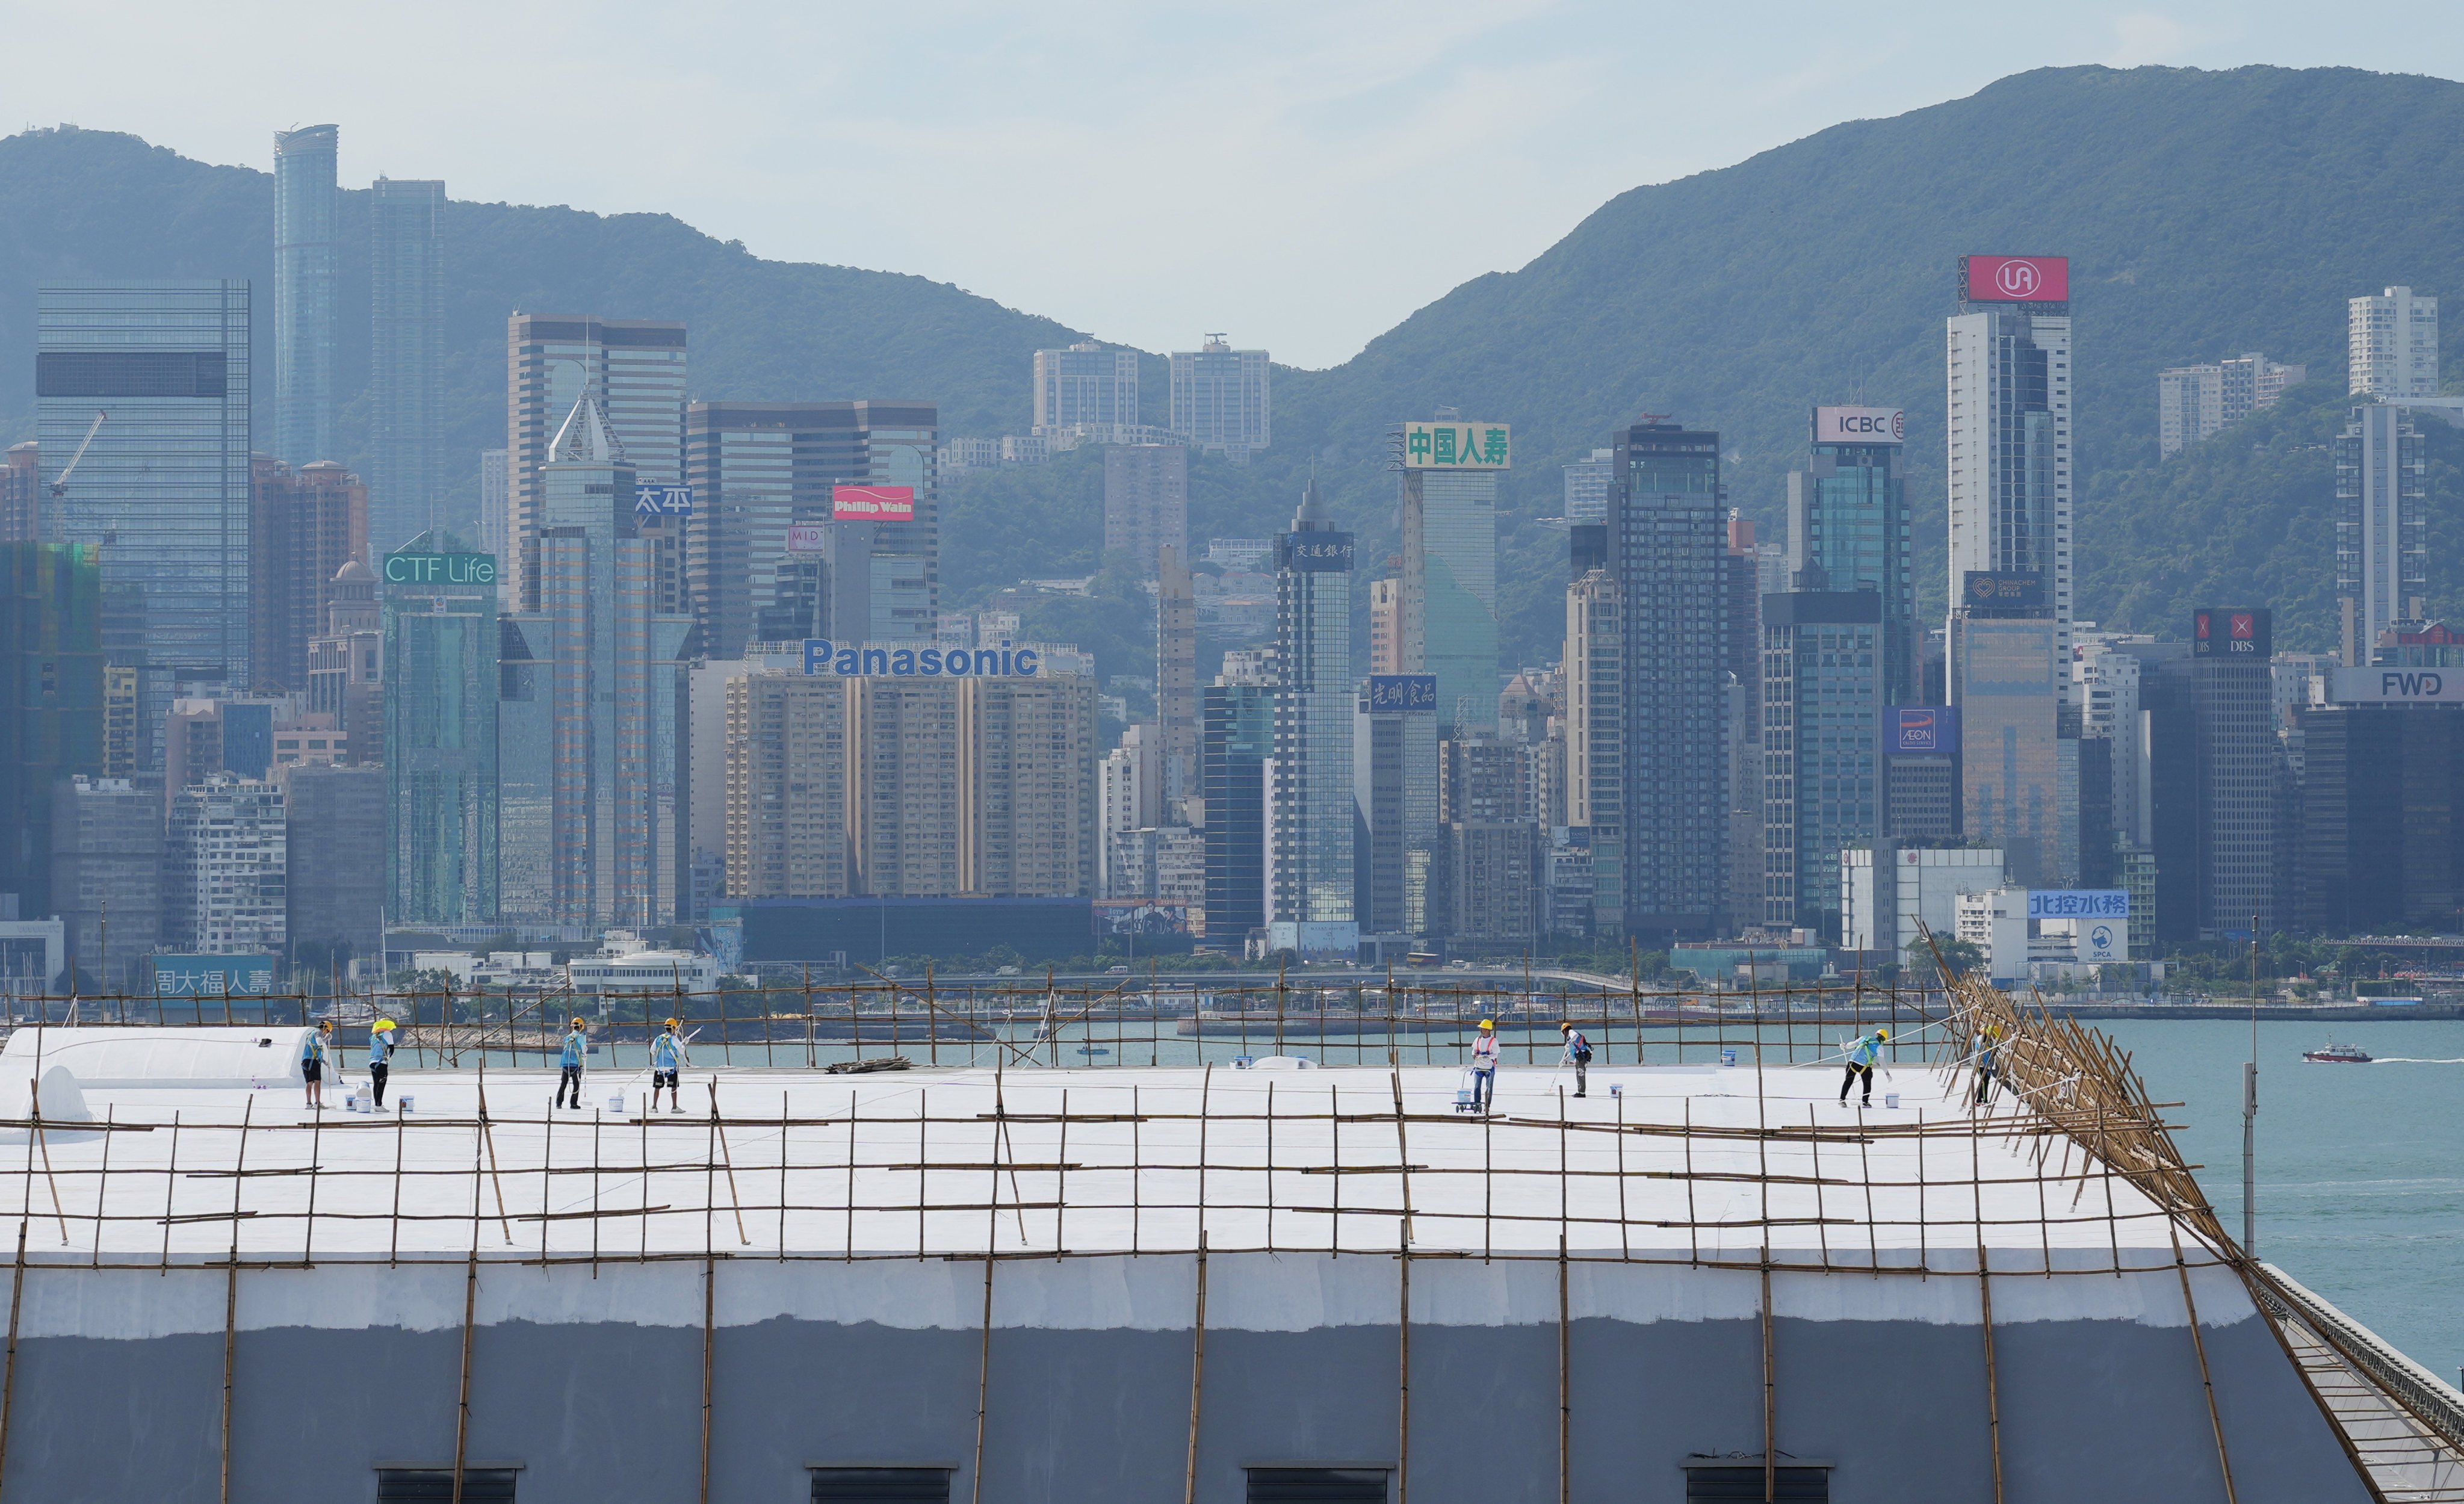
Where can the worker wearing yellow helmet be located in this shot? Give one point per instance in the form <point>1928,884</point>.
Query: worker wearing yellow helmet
<point>1484,1067</point>
<point>1862,1053</point>
<point>380,1059</point>
<point>577,1048</point>
<point>666,1057</point>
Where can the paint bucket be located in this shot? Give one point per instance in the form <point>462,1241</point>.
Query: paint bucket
<point>1891,1099</point>
<point>401,1104</point>
<point>616,1102</point>
<point>1617,1088</point>
<point>1728,1057</point>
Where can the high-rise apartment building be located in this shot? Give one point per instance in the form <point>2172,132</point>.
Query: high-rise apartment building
<point>305,523</point>
<point>334,817</point>
<point>1850,530</point>
<point>156,375</point>
<point>1086,389</point>
<point>1668,541</point>
<point>1177,681</point>
<point>441,644</point>
<point>2196,402</point>
<point>1587,487</point>
<point>1386,625</point>
<point>786,756</point>
<point>346,663</point>
<point>225,857</point>
<point>107,874</point>
<point>1395,792</point>
<point>21,494</point>
<point>51,702</point>
<point>2392,345</point>
<point>1448,482</point>
<point>1309,854</point>
<point>495,497</point>
<point>1223,399</point>
<point>405,359</point>
<point>306,264</point>
<point>766,554</point>
<point>1596,736</point>
<point>1743,690</point>
<point>1822,698</point>
<point>1146,501</point>
<point>2382,524</point>
<point>634,370</point>
<point>2011,459</point>
<point>1237,744</point>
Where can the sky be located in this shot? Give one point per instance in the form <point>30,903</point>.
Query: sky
<point>1299,175</point>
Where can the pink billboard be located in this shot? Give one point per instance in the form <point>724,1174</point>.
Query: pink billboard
<point>2018,279</point>
<point>873,503</point>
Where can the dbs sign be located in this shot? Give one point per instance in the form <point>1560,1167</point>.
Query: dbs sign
<point>2016,279</point>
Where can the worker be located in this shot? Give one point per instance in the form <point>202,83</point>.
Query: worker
<point>1579,1053</point>
<point>667,1051</point>
<point>312,1063</point>
<point>1861,1055</point>
<point>1984,1065</point>
<point>577,1045</point>
<point>1484,1067</point>
<point>379,1058</point>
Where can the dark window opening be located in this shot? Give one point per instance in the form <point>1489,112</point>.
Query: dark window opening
<point>1317,1486</point>
<point>428,1485</point>
<point>880,1485</point>
<point>1793,1485</point>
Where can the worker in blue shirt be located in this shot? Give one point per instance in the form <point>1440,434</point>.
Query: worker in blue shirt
<point>577,1044</point>
<point>1985,1064</point>
<point>312,1063</point>
<point>379,1058</point>
<point>667,1056</point>
<point>1861,1056</point>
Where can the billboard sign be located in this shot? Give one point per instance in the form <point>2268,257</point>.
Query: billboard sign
<point>2104,939</point>
<point>2003,589</point>
<point>1860,425</point>
<point>1456,446</point>
<point>850,661</point>
<point>1404,692</point>
<point>440,569</point>
<point>2219,634</point>
<point>2079,903</point>
<point>806,538</point>
<point>1921,731</point>
<point>1119,917</point>
<point>212,976</point>
<point>2014,279</point>
<point>2395,686</point>
<point>650,501</point>
<point>1314,553</point>
<point>873,503</point>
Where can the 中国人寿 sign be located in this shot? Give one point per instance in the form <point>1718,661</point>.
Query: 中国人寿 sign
<point>1456,446</point>
<point>870,661</point>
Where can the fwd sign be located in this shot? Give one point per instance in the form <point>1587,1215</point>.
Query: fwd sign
<point>2411,686</point>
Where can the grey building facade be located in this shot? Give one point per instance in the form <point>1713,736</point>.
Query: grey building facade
<point>407,487</point>
<point>305,267</point>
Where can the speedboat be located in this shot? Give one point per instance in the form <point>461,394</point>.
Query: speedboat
<point>2333,1053</point>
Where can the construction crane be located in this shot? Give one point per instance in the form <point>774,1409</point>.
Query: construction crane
<point>61,487</point>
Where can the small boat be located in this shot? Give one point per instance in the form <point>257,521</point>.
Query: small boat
<point>2338,1054</point>
<point>1093,1049</point>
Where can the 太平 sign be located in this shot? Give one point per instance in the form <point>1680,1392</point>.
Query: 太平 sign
<point>847,660</point>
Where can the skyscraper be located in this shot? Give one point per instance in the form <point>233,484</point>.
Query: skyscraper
<point>2392,345</point>
<point>405,359</point>
<point>1449,616</point>
<point>764,477</point>
<point>304,265</point>
<point>786,754</point>
<point>1086,389</point>
<point>107,874</point>
<point>495,499</point>
<point>1238,744</point>
<point>441,642</point>
<point>1595,729</point>
<point>1395,794</point>
<point>2382,524</point>
<point>165,482</point>
<point>226,858</point>
<point>634,368</point>
<point>2002,674</point>
<point>1146,501</point>
<point>1821,729</point>
<point>51,702</point>
<point>1386,625</point>
<point>21,494</point>
<point>1176,680</point>
<point>2238,758</point>
<point>1222,399</point>
<point>1848,529</point>
<point>1587,487</point>
<point>1309,854</point>
<point>2011,461</point>
<point>1668,541</point>
<point>334,817</point>
<point>305,525</point>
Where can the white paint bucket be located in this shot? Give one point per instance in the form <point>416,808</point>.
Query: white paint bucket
<point>1728,1057</point>
<point>401,1104</point>
<point>1891,1099</point>
<point>616,1102</point>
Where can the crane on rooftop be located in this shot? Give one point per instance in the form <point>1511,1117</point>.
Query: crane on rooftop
<point>61,487</point>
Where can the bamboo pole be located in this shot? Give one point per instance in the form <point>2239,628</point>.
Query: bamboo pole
<point>9,1382</point>
<point>2207,1380</point>
<point>1196,1377</point>
<point>470,1311</point>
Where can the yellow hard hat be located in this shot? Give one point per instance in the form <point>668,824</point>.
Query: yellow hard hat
<point>384,1025</point>
<point>671,1022</point>
<point>578,1024</point>
<point>1488,1024</point>
<point>324,1023</point>
<point>1882,1033</point>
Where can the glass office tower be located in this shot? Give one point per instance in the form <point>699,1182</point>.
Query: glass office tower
<point>1821,733</point>
<point>1450,593</point>
<point>303,293</point>
<point>156,374</point>
<point>405,360</point>
<point>1848,529</point>
<point>51,702</point>
<point>1238,741</point>
<point>440,739</point>
<point>1309,854</point>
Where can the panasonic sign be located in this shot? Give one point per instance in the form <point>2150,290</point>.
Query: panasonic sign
<point>848,661</point>
<point>2395,686</point>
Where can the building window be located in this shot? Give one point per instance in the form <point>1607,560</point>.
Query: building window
<point>1736,1478</point>
<point>1317,1486</point>
<point>431,1485</point>
<point>881,1485</point>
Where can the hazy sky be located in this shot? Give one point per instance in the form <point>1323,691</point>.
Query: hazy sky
<point>1302,175</point>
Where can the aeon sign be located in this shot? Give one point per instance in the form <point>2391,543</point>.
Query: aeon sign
<point>2016,279</point>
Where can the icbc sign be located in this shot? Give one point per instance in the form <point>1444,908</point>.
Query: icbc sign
<point>2014,279</point>
<point>1860,425</point>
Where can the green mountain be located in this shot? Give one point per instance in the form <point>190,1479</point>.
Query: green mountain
<point>2205,213</point>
